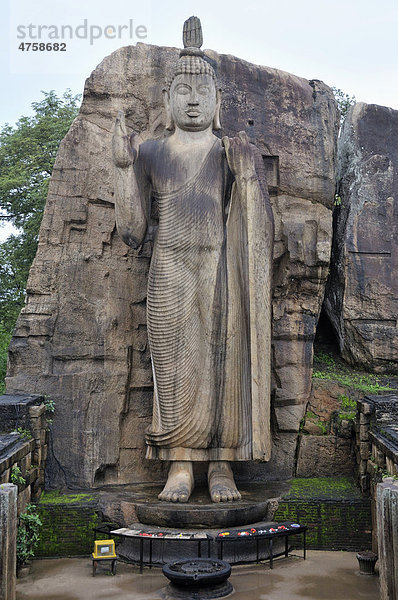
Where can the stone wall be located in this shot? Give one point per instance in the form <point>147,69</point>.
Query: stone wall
<point>326,443</point>
<point>68,523</point>
<point>8,540</point>
<point>337,515</point>
<point>26,449</point>
<point>376,440</point>
<point>387,527</point>
<point>376,447</point>
<point>362,293</point>
<point>333,524</point>
<point>81,337</point>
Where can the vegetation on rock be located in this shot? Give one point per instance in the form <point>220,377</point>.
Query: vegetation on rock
<point>68,523</point>
<point>332,408</point>
<point>348,409</point>
<point>25,434</point>
<point>342,488</point>
<point>336,513</point>
<point>344,102</point>
<point>330,367</point>
<point>16,476</point>
<point>28,534</point>
<point>56,497</point>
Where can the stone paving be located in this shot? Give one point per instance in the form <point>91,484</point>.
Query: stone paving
<point>323,576</point>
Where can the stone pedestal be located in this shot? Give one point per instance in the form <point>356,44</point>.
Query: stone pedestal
<point>387,533</point>
<point>8,540</point>
<point>125,504</point>
<point>198,521</point>
<point>258,503</point>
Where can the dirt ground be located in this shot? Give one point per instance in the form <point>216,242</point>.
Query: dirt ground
<point>323,576</point>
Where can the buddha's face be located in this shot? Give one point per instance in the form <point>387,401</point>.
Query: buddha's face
<point>193,101</point>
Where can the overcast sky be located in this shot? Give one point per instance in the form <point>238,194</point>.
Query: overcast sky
<point>350,44</point>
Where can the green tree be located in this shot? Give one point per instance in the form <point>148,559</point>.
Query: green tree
<point>344,102</point>
<point>5,338</point>
<point>27,155</point>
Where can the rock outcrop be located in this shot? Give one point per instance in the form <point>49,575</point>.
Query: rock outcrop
<point>362,294</point>
<point>81,338</point>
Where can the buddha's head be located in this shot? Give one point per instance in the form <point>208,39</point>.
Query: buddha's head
<point>192,99</point>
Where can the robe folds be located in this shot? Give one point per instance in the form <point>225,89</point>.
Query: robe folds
<point>209,317</point>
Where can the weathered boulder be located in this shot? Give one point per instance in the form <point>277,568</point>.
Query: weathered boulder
<point>81,337</point>
<point>362,294</point>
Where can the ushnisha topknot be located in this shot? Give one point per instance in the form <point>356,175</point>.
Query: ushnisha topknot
<point>191,59</point>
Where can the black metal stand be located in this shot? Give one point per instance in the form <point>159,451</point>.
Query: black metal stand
<point>269,536</point>
<point>232,536</point>
<point>100,560</point>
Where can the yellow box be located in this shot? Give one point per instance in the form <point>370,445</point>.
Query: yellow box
<point>104,549</point>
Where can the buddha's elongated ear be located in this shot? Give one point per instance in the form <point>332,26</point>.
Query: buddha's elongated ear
<point>169,119</point>
<point>216,119</point>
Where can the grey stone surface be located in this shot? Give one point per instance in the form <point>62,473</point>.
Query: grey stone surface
<point>26,450</point>
<point>128,503</point>
<point>362,294</point>
<point>13,452</point>
<point>258,502</point>
<point>14,410</point>
<point>387,537</point>
<point>8,540</point>
<point>8,442</point>
<point>81,337</point>
<point>68,576</point>
<point>380,428</point>
<point>326,455</point>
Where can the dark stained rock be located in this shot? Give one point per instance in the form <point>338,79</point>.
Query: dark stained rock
<point>81,338</point>
<point>325,456</point>
<point>362,294</point>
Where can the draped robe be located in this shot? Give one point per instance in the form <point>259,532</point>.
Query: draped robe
<point>208,316</point>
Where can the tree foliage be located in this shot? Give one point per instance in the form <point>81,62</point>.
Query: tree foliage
<point>344,102</point>
<point>27,155</point>
<point>5,337</point>
<point>28,534</point>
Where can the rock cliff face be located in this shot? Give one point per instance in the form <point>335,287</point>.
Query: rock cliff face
<point>81,337</point>
<point>362,295</point>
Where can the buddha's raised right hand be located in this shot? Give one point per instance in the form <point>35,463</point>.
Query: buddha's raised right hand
<point>124,148</point>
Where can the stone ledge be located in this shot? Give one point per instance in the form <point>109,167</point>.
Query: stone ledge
<point>15,452</point>
<point>384,443</point>
<point>14,410</point>
<point>20,399</point>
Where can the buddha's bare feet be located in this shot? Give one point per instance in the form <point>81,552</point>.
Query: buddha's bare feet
<point>179,483</point>
<point>222,485</point>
